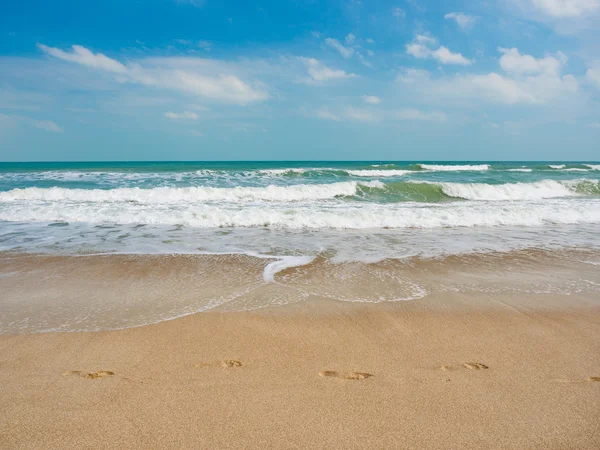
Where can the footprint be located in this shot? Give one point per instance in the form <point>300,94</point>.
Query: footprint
<point>232,363</point>
<point>467,365</point>
<point>349,376</point>
<point>594,379</point>
<point>475,366</point>
<point>358,375</point>
<point>329,373</point>
<point>89,375</point>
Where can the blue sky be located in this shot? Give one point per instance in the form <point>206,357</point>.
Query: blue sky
<point>293,80</point>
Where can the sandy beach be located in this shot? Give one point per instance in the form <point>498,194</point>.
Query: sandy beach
<point>312,375</point>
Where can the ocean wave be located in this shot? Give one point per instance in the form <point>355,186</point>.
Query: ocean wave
<point>521,191</point>
<point>377,173</point>
<point>169,195</point>
<point>453,167</point>
<point>422,191</point>
<point>593,166</point>
<point>315,216</point>
<point>519,170</point>
<point>375,191</point>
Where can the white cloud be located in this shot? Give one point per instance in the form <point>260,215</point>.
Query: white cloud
<point>319,72</point>
<point>371,99</point>
<point>370,41</point>
<point>47,125</point>
<point>350,39</point>
<point>445,56</point>
<point>418,50</point>
<point>424,39</point>
<point>411,76</point>
<point>421,48</point>
<point>514,62</point>
<point>197,76</point>
<point>85,57</point>
<point>350,113</point>
<point>325,114</point>
<point>196,133</point>
<point>337,45</point>
<point>415,114</point>
<point>361,115</point>
<point>566,8</point>
<point>464,21</point>
<point>527,80</point>
<point>183,115</point>
<point>10,120</point>
<point>593,76</point>
<point>398,12</point>
<point>363,60</point>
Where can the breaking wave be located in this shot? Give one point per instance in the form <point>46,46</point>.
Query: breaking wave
<point>170,195</point>
<point>454,167</point>
<point>315,216</point>
<point>392,192</point>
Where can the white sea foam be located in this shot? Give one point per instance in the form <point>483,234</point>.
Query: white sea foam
<point>593,166</point>
<point>284,263</point>
<point>378,173</point>
<point>519,170</point>
<point>314,216</point>
<point>279,172</point>
<point>557,166</point>
<point>169,195</point>
<point>514,191</point>
<point>453,168</point>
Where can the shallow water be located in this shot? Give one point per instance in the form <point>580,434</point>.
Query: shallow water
<point>254,235</point>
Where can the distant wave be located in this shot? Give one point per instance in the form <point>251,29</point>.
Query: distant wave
<point>377,173</point>
<point>195,177</point>
<point>453,167</point>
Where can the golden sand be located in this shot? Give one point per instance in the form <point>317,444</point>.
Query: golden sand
<point>311,376</point>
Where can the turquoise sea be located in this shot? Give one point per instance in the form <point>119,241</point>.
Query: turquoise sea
<point>372,210</point>
<point>93,246</point>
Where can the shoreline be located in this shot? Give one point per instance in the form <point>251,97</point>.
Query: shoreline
<point>311,375</point>
<point>47,293</point>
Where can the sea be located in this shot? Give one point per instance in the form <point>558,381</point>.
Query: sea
<point>354,223</point>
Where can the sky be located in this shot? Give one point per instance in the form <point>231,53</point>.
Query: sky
<point>299,80</point>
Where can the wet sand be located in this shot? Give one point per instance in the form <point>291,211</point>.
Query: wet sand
<point>316,374</point>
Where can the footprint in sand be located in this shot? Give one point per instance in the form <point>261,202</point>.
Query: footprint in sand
<point>594,379</point>
<point>89,375</point>
<point>475,366</point>
<point>225,363</point>
<point>232,363</point>
<point>349,376</point>
<point>467,365</point>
